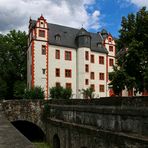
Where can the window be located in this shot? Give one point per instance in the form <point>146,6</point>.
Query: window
<point>57,54</point>
<point>57,72</point>
<point>111,48</point>
<point>86,55</point>
<point>43,50</point>
<point>43,71</point>
<point>92,58</point>
<point>41,33</point>
<point>86,68</point>
<point>101,88</point>
<point>58,84</point>
<point>109,39</point>
<point>92,75</point>
<point>101,76</point>
<point>101,60</point>
<point>92,86</point>
<point>68,55</point>
<point>86,82</point>
<point>68,73</point>
<point>111,62</point>
<point>68,85</point>
<point>57,37</point>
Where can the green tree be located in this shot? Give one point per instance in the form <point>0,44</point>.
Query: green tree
<point>134,60</point>
<point>58,92</point>
<point>13,48</point>
<point>34,93</point>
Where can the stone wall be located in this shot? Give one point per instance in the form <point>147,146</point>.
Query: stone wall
<point>112,122</point>
<point>97,123</point>
<point>27,110</point>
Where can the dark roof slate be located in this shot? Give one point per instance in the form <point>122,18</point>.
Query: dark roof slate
<point>68,37</point>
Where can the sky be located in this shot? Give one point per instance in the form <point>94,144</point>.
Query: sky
<point>93,15</point>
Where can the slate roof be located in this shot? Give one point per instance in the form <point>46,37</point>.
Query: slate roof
<point>68,37</point>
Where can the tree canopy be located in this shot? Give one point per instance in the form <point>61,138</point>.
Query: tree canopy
<point>12,64</point>
<point>132,59</point>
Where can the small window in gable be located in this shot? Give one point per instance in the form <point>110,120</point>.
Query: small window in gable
<point>41,33</point>
<point>42,24</point>
<point>109,39</point>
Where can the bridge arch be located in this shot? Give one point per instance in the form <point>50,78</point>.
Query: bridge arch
<point>30,130</point>
<point>56,141</point>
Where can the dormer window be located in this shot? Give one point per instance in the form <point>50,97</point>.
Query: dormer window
<point>57,37</point>
<point>99,45</point>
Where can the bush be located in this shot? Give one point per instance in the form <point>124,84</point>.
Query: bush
<point>34,93</point>
<point>59,92</point>
<point>88,93</point>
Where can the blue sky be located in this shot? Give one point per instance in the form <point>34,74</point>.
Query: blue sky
<point>111,12</point>
<point>93,15</point>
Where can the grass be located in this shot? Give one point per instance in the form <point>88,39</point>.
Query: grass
<point>41,145</point>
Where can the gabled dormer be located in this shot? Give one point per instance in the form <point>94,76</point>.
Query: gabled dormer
<point>41,29</point>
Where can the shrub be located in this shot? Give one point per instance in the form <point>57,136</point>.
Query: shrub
<point>88,93</point>
<point>58,92</point>
<point>34,93</point>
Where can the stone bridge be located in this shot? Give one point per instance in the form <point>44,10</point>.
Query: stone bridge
<point>97,123</point>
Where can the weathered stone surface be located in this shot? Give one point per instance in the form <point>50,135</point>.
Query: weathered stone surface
<point>97,123</point>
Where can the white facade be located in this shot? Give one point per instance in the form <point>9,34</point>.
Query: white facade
<point>41,68</point>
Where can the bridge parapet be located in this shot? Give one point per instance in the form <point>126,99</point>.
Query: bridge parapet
<point>122,115</point>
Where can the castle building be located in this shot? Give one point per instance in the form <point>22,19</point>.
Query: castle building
<point>72,58</point>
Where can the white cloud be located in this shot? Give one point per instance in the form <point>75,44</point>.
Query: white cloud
<point>140,3</point>
<point>15,13</point>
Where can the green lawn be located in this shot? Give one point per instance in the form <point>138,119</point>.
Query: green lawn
<point>41,145</point>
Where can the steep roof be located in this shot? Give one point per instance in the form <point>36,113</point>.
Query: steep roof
<point>68,37</point>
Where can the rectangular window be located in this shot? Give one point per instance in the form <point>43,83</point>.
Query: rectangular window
<point>111,48</point>
<point>68,73</point>
<point>86,68</point>
<point>57,72</point>
<point>101,60</point>
<point>101,88</point>
<point>41,33</point>
<point>101,76</point>
<point>86,82</point>
<point>92,75</point>
<point>92,58</point>
<point>92,86</point>
<point>43,50</point>
<point>43,71</point>
<point>68,85</point>
<point>111,62</point>
<point>68,55</point>
<point>58,84</point>
<point>86,55</point>
<point>57,54</point>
